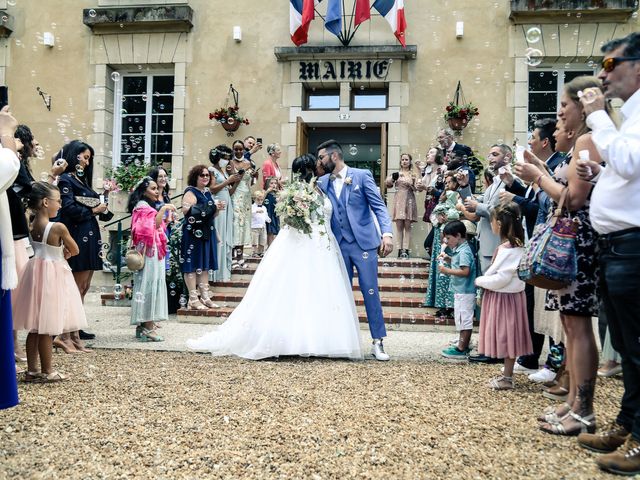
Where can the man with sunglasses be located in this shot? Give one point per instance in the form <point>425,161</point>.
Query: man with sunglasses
<point>615,215</point>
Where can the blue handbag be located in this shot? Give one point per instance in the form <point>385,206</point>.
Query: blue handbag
<point>550,259</point>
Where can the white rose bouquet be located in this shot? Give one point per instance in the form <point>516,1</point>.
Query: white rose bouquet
<point>299,205</point>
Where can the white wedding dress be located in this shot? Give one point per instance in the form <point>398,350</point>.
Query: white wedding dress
<point>299,302</point>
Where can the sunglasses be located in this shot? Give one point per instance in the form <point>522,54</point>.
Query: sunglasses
<point>203,175</point>
<point>608,64</point>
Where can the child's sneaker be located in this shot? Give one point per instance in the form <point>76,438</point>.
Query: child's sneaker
<point>453,353</point>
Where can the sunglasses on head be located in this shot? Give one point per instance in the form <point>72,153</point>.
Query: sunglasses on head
<point>608,64</point>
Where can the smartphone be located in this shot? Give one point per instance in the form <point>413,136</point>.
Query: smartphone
<point>395,175</point>
<point>4,96</point>
<point>259,140</point>
<point>241,171</point>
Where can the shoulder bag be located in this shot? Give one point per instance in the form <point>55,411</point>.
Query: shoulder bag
<point>550,260</point>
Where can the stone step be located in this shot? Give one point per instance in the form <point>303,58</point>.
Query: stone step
<point>383,272</point>
<point>186,315</point>
<point>232,298</point>
<point>382,262</point>
<point>409,286</point>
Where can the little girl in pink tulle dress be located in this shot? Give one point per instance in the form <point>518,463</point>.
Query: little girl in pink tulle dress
<point>47,294</point>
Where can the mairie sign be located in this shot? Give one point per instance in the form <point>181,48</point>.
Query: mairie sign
<point>344,70</point>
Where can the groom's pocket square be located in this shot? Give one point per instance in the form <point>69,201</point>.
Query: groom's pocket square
<point>357,187</point>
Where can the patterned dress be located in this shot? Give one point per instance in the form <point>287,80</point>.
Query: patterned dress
<point>581,297</point>
<point>242,211</point>
<point>439,294</point>
<point>224,228</point>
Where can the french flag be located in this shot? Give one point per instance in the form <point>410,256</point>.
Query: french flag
<point>393,12</point>
<point>301,12</point>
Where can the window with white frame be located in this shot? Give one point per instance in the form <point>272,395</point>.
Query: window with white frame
<point>143,129</point>
<point>545,89</point>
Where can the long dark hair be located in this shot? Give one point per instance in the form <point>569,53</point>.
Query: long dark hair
<point>304,166</point>
<point>153,173</point>
<point>138,194</point>
<point>70,153</point>
<point>510,220</point>
<point>26,137</point>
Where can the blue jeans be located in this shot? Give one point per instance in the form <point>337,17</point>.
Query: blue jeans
<point>620,290</point>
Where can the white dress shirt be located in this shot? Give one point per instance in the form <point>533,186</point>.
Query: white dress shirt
<point>338,182</point>
<point>615,202</point>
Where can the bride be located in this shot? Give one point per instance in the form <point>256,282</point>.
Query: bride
<point>299,302</point>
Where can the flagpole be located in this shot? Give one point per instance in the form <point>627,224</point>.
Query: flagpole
<point>344,32</point>
<point>353,11</point>
<point>357,26</point>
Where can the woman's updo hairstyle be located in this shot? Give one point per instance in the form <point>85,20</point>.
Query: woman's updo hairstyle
<point>39,191</point>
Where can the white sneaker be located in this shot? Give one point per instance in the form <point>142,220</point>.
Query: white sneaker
<point>377,350</point>
<point>517,368</point>
<point>543,375</point>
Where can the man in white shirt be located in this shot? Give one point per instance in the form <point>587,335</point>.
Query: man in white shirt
<point>615,215</point>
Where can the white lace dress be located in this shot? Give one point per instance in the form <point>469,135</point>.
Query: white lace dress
<point>299,302</point>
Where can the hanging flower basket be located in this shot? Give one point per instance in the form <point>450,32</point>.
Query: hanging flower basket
<point>457,124</point>
<point>459,113</point>
<point>230,125</point>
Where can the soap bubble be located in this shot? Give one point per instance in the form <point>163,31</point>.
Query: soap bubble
<point>139,297</point>
<point>198,234</point>
<point>353,150</point>
<point>363,126</point>
<point>93,13</point>
<point>115,76</point>
<point>533,57</point>
<point>365,255</point>
<point>533,35</point>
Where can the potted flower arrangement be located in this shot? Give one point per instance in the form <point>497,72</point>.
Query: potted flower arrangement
<point>459,115</point>
<point>119,182</point>
<point>229,118</point>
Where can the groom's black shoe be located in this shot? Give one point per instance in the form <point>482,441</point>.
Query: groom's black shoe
<point>377,350</point>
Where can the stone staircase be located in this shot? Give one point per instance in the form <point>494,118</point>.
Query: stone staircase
<point>403,283</point>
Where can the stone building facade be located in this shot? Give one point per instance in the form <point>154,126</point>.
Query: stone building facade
<point>139,77</point>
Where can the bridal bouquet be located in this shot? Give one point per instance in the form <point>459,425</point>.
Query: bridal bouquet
<point>299,205</point>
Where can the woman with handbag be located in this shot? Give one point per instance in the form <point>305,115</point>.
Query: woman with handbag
<point>578,301</point>
<point>149,241</point>
<point>198,253</point>
<point>80,207</point>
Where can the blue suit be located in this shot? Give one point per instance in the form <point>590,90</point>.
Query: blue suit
<point>355,230</point>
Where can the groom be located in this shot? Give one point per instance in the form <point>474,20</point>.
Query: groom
<point>355,199</point>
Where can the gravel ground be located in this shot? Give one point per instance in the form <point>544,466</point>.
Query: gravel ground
<point>172,415</point>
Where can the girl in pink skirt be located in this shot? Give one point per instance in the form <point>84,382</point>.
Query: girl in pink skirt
<point>48,297</point>
<point>504,328</point>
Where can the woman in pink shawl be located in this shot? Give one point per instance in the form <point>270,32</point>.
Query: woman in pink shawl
<point>148,226</point>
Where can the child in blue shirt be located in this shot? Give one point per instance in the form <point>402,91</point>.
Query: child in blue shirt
<point>462,270</point>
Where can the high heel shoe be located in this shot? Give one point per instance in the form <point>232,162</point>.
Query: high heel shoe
<point>60,343</point>
<point>205,297</point>
<point>77,343</point>
<point>194,302</point>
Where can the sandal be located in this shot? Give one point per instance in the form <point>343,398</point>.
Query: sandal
<point>205,297</point>
<point>551,415</point>
<point>585,425</point>
<point>139,329</point>
<point>194,302</point>
<point>501,383</point>
<point>32,377</point>
<point>52,377</point>
<point>150,336</point>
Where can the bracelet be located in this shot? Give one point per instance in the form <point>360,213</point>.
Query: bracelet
<point>539,179</point>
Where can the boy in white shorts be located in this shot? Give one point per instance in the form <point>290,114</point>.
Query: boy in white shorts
<point>259,219</point>
<point>462,269</point>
